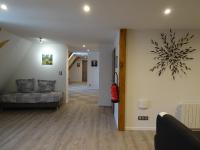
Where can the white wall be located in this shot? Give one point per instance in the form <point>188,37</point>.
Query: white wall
<point>66,69</point>
<point>10,57</point>
<point>93,72</point>
<point>117,71</point>
<point>31,66</point>
<point>75,72</point>
<point>21,58</point>
<point>105,76</point>
<point>163,93</point>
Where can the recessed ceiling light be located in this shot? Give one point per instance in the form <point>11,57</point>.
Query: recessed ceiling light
<point>84,46</point>
<point>88,50</point>
<point>167,11</point>
<point>4,7</point>
<point>86,8</point>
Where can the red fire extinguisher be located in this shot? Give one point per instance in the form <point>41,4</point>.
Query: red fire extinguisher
<point>115,92</point>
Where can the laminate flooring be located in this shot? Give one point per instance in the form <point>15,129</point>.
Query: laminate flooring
<point>79,125</point>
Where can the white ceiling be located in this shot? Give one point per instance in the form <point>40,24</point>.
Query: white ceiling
<point>64,19</point>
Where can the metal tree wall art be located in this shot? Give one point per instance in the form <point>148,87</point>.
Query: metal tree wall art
<point>173,54</point>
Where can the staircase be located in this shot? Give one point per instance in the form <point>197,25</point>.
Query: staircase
<point>72,59</point>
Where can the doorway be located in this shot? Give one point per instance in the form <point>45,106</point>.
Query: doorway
<point>83,75</point>
<point>84,70</point>
<point>78,71</point>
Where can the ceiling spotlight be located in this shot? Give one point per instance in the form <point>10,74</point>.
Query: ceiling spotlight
<point>88,50</point>
<point>84,46</point>
<point>167,11</point>
<point>86,8</point>
<point>4,7</point>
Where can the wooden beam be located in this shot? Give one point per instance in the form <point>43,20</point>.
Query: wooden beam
<point>3,43</point>
<point>75,60</point>
<point>122,78</point>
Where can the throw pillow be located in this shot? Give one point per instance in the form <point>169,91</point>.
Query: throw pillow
<point>25,85</point>
<point>46,85</point>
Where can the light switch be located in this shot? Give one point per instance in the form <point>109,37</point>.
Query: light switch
<point>60,73</point>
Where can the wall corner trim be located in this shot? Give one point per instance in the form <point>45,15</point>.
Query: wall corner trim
<point>140,128</point>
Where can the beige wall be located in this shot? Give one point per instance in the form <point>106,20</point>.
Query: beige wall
<point>163,93</point>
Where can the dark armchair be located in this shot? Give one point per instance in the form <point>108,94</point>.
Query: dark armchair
<point>171,134</point>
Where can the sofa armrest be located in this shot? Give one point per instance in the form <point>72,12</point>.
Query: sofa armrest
<point>173,135</point>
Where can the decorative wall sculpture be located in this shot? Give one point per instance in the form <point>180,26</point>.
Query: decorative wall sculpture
<point>3,43</point>
<point>172,54</point>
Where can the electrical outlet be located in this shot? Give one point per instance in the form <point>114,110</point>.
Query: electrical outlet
<point>139,117</point>
<point>146,118</point>
<point>143,118</point>
<point>60,73</point>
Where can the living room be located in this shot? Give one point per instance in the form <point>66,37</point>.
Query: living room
<point>149,49</point>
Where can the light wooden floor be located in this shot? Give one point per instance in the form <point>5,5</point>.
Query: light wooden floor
<point>79,125</point>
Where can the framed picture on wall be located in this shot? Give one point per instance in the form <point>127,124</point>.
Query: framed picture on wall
<point>47,59</point>
<point>78,64</point>
<point>94,63</point>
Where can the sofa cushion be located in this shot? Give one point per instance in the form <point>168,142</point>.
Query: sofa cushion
<point>46,85</point>
<point>25,85</point>
<point>31,97</point>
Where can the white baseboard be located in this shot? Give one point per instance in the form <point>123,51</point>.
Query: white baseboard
<point>116,123</point>
<point>140,128</point>
<point>104,105</point>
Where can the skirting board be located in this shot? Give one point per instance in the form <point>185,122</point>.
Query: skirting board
<point>116,122</point>
<point>140,128</point>
<point>104,105</point>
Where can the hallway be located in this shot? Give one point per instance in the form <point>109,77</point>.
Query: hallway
<point>102,132</point>
<point>79,125</point>
<point>80,92</point>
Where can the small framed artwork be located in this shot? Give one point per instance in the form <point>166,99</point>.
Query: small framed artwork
<point>78,64</point>
<point>47,59</point>
<point>94,63</point>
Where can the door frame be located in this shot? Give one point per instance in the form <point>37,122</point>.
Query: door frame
<point>122,79</point>
<point>86,69</point>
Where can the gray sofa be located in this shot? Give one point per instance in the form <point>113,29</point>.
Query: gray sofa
<point>27,97</point>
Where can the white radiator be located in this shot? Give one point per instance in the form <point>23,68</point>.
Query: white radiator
<point>189,115</point>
